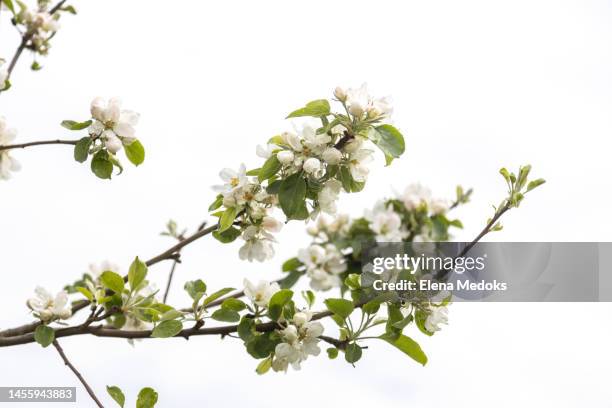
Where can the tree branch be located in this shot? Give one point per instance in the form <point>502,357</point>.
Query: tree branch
<point>39,143</point>
<point>77,373</point>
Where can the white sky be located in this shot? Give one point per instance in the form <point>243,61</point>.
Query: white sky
<point>476,85</point>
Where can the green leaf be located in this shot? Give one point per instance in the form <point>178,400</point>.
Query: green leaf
<point>167,328</point>
<point>116,394</point>
<point>277,301</point>
<point>227,219</point>
<point>137,273</point>
<point>535,183</point>
<point>226,315</point>
<point>261,346</point>
<point>69,9</point>
<point>264,366</point>
<point>253,172</point>
<point>332,353</point>
<point>147,398</point>
<point>81,149</point>
<point>217,203</point>
<point>319,107</point>
<point>348,182</point>
<point>85,292</point>
<point>135,152</point>
<point>352,353</point>
<point>101,165</point>
<point>408,346</point>
<point>389,140</point>
<point>291,264</point>
<point>246,328</point>
<point>233,304</point>
<point>9,5</point>
<point>44,335</point>
<point>269,169</point>
<point>292,196</point>
<point>227,236</point>
<point>112,281</point>
<point>73,125</point>
<point>274,187</point>
<point>196,289</point>
<point>216,295</point>
<point>309,297</point>
<point>341,307</point>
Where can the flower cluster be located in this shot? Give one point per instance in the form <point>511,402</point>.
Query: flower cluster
<point>8,163</point>
<point>324,265</point>
<point>300,338</point>
<point>304,170</point>
<point>39,25</point>
<point>110,129</point>
<point>413,216</point>
<point>261,293</point>
<point>48,308</point>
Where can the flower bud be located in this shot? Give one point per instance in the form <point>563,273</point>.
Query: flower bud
<point>285,157</point>
<point>312,165</point>
<point>331,155</point>
<point>356,109</point>
<point>229,201</point>
<point>300,318</point>
<point>353,145</point>
<point>340,93</point>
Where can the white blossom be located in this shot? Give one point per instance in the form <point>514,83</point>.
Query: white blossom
<point>234,180</point>
<point>312,165</point>
<point>323,265</point>
<point>95,270</point>
<point>47,307</point>
<point>314,143</point>
<point>359,102</point>
<point>292,140</point>
<point>416,195</point>
<point>328,196</point>
<point>300,340</point>
<point>386,224</point>
<point>114,126</point>
<point>439,206</point>
<point>8,163</point>
<point>340,93</point>
<point>271,224</point>
<point>353,145</point>
<point>437,315</point>
<point>285,157</point>
<point>358,162</point>
<point>261,293</point>
<point>256,249</point>
<point>332,156</point>
<point>265,151</point>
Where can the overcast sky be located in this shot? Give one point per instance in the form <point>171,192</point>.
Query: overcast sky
<point>476,85</point>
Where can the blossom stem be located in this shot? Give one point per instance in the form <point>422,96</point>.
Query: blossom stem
<point>77,373</point>
<point>39,143</point>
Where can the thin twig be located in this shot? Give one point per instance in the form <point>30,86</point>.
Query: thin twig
<point>77,373</point>
<point>170,276</point>
<point>39,143</point>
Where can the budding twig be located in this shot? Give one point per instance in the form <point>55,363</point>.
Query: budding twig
<point>77,373</point>
<point>39,143</point>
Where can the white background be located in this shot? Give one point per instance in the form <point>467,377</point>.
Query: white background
<point>476,86</point>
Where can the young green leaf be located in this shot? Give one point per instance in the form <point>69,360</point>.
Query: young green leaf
<point>167,328</point>
<point>408,346</point>
<point>352,353</point>
<point>227,219</point>
<point>226,315</point>
<point>389,140</point>
<point>135,152</point>
<point>217,203</point>
<point>116,394</point>
<point>101,165</point>
<point>341,307</point>
<point>277,301</point>
<point>291,264</point>
<point>317,108</point>
<point>81,149</point>
<point>112,281</point>
<point>137,273</point>
<point>227,236</point>
<point>234,304</point>
<point>9,5</point>
<point>216,295</point>
<point>269,169</point>
<point>292,196</point>
<point>44,335</point>
<point>73,125</point>
<point>264,366</point>
<point>196,289</point>
<point>147,398</point>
